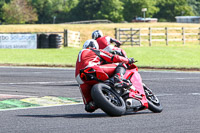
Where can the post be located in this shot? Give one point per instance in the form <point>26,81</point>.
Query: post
<point>144,16</point>
<point>183,35</point>
<point>116,35</point>
<point>65,38</point>
<point>144,10</point>
<point>131,36</point>
<point>139,37</point>
<point>54,19</point>
<point>150,37</point>
<point>199,35</point>
<point>166,33</point>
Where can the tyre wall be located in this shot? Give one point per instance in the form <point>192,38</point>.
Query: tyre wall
<point>49,41</point>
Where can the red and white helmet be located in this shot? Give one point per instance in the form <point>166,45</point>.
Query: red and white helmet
<point>96,34</point>
<point>90,43</point>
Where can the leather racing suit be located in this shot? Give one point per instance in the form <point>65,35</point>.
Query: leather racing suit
<point>102,63</point>
<point>104,43</point>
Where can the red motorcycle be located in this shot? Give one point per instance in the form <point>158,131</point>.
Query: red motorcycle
<point>116,102</point>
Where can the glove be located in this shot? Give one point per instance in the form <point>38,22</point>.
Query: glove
<point>115,52</point>
<point>118,45</point>
<point>131,60</point>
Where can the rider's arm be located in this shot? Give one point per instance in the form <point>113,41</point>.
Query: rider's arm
<point>118,43</point>
<point>108,57</point>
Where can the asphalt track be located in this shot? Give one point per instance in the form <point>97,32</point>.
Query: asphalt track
<point>179,93</point>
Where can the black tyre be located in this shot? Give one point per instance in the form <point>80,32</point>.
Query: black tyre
<point>44,41</point>
<point>108,100</point>
<point>55,40</point>
<point>153,102</point>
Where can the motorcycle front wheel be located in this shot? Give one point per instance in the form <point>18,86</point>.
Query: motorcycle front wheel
<point>108,100</point>
<point>153,102</point>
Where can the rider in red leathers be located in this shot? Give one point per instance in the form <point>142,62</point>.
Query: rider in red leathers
<point>105,41</point>
<point>102,64</point>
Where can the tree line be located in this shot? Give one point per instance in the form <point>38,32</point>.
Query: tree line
<point>60,11</point>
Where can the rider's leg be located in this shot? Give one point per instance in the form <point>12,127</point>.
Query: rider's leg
<point>87,99</point>
<point>120,82</point>
<point>118,70</point>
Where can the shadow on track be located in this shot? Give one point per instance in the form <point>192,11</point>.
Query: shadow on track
<point>82,115</point>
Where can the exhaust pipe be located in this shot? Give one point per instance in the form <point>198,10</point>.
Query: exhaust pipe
<point>132,103</point>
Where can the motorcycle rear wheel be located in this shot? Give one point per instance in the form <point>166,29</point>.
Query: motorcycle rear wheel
<point>108,100</point>
<point>153,102</point>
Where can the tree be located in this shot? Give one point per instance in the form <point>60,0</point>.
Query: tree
<point>53,10</point>
<point>44,10</point>
<point>195,5</point>
<point>85,10</point>
<point>133,8</point>
<point>98,9</point>
<point>2,2</point>
<point>169,9</point>
<point>19,12</point>
<point>65,14</point>
<point>111,9</point>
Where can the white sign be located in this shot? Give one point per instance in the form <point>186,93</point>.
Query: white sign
<point>18,41</point>
<point>144,9</point>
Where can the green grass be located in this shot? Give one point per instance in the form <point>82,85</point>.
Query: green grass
<point>39,56</point>
<point>160,56</point>
<point>167,56</point>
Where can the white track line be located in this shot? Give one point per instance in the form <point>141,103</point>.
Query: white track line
<point>59,68</point>
<point>32,83</point>
<point>189,78</point>
<point>169,71</point>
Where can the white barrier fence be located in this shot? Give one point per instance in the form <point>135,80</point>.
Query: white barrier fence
<point>136,36</point>
<point>71,38</point>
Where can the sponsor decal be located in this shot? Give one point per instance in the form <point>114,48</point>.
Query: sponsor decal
<point>18,41</point>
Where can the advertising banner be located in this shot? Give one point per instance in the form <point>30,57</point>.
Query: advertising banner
<point>18,41</point>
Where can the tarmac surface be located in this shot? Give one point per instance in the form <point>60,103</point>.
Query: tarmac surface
<point>42,100</point>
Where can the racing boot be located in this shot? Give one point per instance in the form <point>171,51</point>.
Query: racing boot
<point>119,82</point>
<point>90,107</point>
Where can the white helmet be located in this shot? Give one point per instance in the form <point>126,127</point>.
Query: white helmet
<point>91,43</point>
<point>96,34</point>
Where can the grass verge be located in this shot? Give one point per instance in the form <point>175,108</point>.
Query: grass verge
<point>159,57</point>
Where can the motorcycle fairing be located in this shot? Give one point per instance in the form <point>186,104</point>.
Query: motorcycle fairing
<point>136,80</point>
<point>89,74</point>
